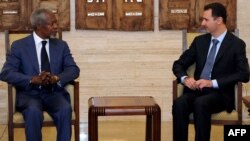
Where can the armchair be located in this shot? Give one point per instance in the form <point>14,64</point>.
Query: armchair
<point>15,118</point>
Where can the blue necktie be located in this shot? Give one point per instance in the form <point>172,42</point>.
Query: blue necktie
<point>45,66</point>
<point>205,74</point>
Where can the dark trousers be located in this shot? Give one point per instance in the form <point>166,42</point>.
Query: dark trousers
<point>202,106</point>
<point>56,104</point>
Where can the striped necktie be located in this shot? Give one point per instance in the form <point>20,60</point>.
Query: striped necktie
<point>206,72</point>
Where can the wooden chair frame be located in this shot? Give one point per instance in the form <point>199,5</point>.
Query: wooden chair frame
<point>246,101</point>
<point>11,94</point>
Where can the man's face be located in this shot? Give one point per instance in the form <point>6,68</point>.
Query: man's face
<point>50,29</point>
<point>208,22</point>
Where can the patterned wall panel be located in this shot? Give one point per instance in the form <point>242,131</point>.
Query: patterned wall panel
<point>93,14</point>
<point>133,15</point>
<point>15,14</point>
<point>126,15</point>
<point>186,14</point>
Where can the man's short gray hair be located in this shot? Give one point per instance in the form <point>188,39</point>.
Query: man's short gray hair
<point>39,17</point>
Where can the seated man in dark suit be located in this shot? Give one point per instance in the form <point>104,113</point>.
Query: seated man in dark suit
<point>39,67</point>
<point>221,62</point>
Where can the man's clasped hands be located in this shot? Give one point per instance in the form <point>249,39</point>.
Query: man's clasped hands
<point>44,78</point>
<point>193,84</point>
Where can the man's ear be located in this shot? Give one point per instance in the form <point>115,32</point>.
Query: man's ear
<point>219,20</point>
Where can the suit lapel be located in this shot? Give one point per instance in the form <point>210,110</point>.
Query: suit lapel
<point>31,50</point>
<point>223,48</point>
<point>52,54</point>
<point>205,48</point>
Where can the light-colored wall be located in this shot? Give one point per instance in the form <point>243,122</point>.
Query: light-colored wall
<point>121,63</point>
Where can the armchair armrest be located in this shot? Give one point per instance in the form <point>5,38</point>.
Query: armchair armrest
<point>177,89</point>
<point>246,101</point>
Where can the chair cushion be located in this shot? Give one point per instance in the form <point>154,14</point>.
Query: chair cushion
<point>226,116</point>
<point>222,116</point>
<point>18,117</point>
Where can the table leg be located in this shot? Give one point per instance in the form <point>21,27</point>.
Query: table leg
<point>157,124</point>
<point>93,125</point>
<point>149,128</point>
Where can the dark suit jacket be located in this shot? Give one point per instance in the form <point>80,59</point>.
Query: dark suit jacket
<point>230,66</point>
<point>22,64</point>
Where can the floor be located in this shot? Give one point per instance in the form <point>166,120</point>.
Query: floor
<point>114,131</point>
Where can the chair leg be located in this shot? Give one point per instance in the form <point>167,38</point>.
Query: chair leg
<point>77,133</point>
<point>11,132</point>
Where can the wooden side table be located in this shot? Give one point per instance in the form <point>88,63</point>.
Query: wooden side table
<point>125,105</point>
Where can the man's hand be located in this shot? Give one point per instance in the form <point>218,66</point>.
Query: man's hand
<point>190,83</point>
<point>36,80</point>
<point>202,83</point>
<point>42,79</point>
<point>54,79</point>
<point>45,76</point>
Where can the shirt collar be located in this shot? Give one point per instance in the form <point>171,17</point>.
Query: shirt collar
<point>221,37</point>
<point>38,39</point>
